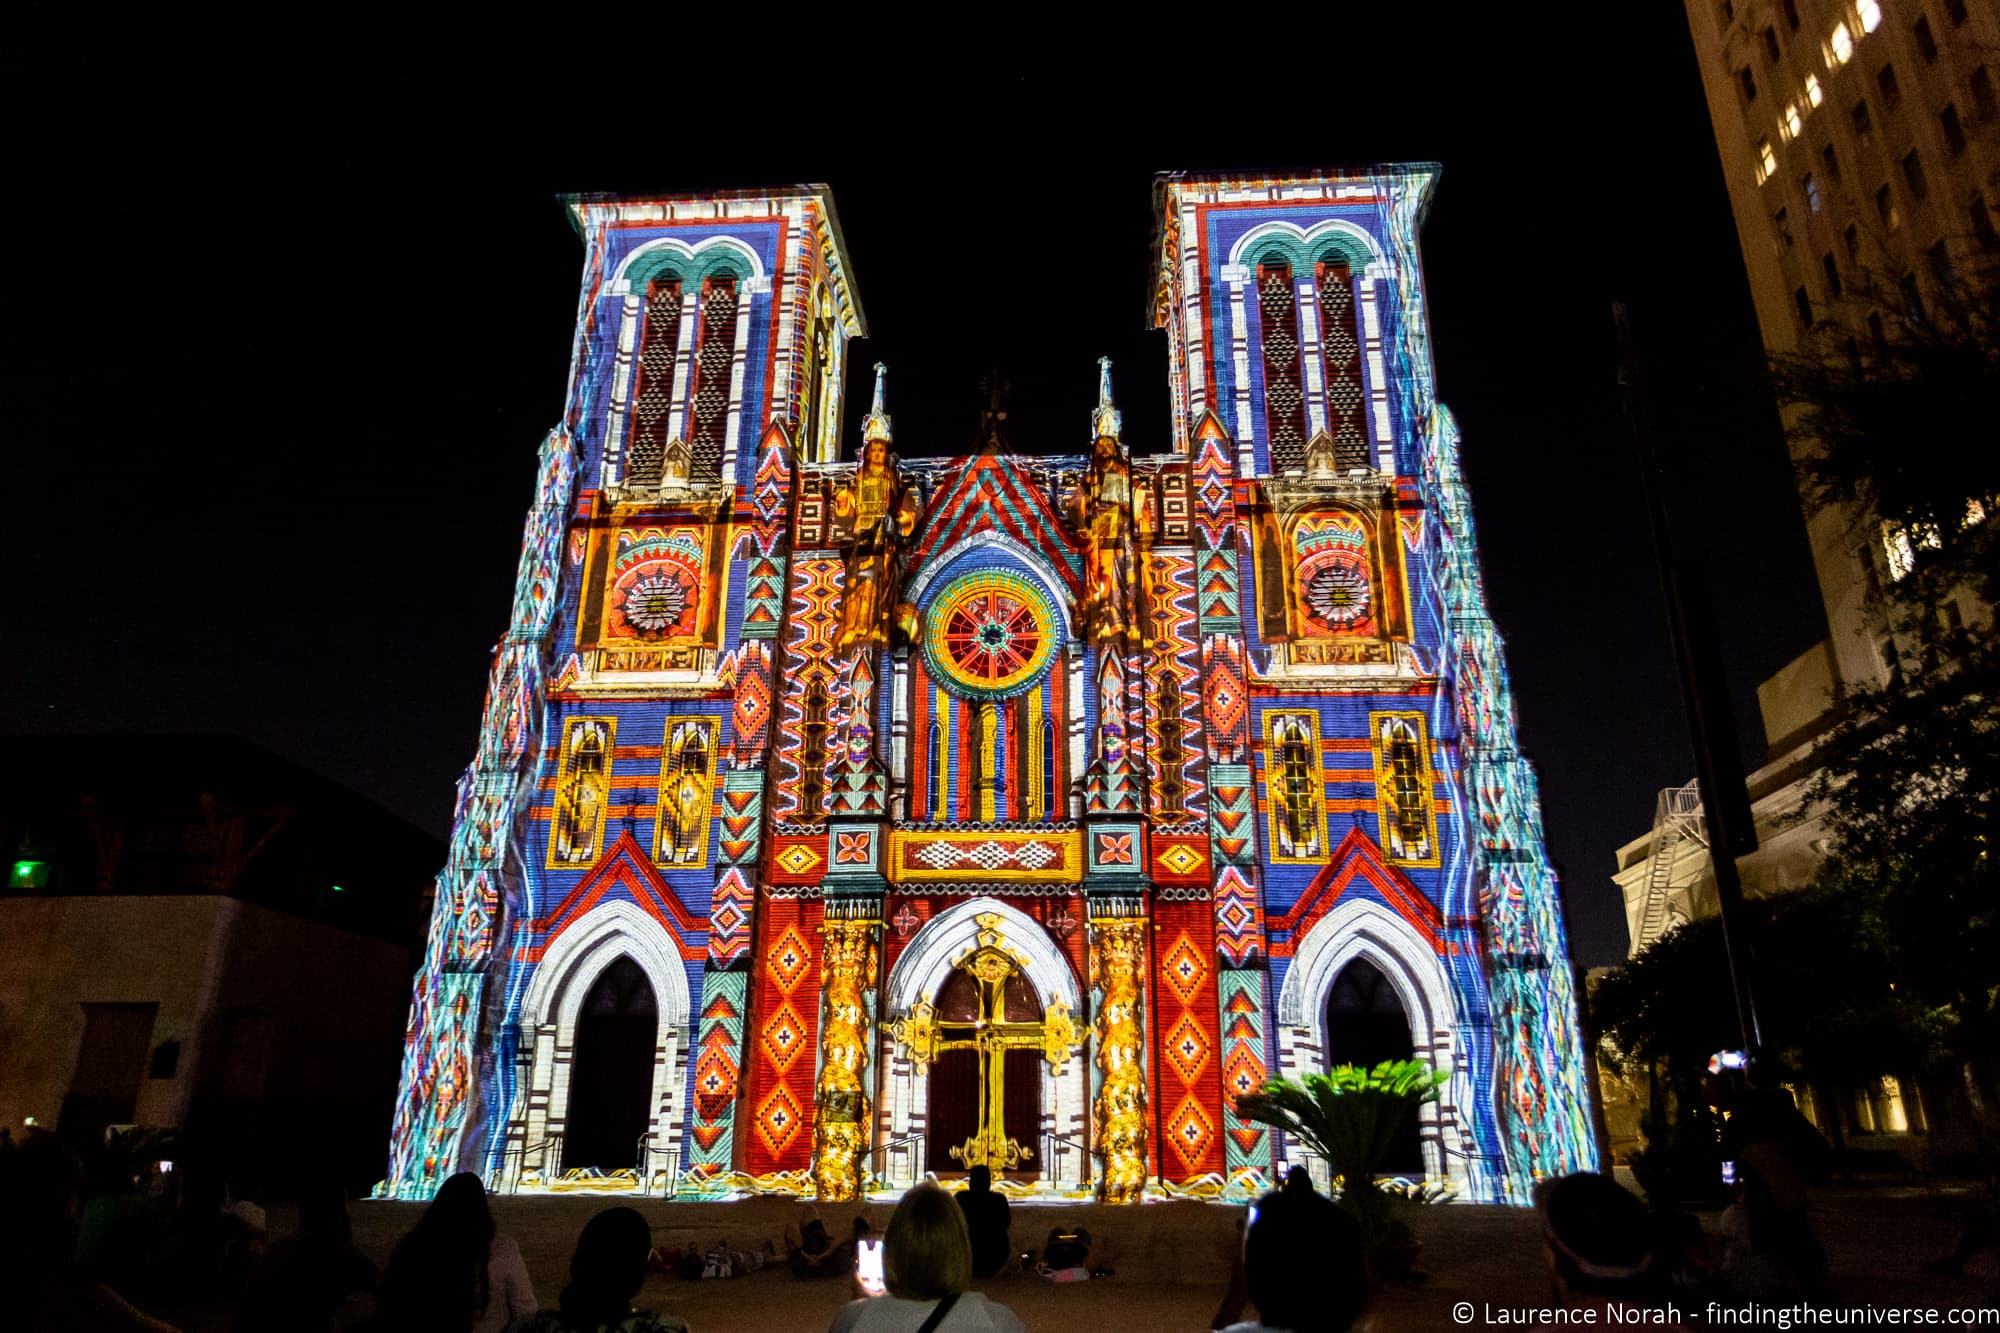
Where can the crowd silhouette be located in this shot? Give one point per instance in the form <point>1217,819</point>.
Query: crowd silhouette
<point>135,1235</point>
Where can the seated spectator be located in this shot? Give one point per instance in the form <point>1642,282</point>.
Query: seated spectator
<point>1302,1265</point>
<point>306,1278</point>
<point>605,1275</point>
<point>455,1270</point>
<point>811,1252</point>
<point>1598,1240</point>
<point>927,1268</point>
<point>1066,1255</point>
<point>988,1218</point>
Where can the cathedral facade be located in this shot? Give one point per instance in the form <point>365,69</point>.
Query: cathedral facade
<point>838,818</point>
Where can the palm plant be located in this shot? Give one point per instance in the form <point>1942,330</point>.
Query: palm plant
<point>1350,1116</point>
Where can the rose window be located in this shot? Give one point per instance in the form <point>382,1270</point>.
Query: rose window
<point>990,633</point>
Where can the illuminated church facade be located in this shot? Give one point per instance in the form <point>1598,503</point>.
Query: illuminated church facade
<point>838,818</point>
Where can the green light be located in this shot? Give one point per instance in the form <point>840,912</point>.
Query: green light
<point>29,875</point>
<point>339,889</point>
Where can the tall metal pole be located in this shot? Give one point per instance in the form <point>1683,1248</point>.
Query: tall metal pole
<point>1725,796</point>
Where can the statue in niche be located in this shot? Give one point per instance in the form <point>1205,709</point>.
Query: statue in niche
<point>1103,514</point>
<point>881,512</point>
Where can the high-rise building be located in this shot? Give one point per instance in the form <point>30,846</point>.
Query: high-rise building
<point>838,818</point>
<point>1860,144</point>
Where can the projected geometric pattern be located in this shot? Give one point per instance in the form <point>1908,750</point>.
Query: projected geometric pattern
<point>1202,713</point>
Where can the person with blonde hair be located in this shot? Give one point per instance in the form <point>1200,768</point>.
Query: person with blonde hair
<point>926,1266</point>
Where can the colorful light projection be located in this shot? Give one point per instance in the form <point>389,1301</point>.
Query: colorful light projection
<point>1499,869</point>
<point>1147,693</point>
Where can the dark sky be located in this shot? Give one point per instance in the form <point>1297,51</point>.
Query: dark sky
<point>290,309</point>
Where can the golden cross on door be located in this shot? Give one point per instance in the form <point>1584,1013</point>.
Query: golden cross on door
<point>924,1035</point>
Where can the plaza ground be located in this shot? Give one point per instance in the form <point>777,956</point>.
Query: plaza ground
<point>1172,1259</point>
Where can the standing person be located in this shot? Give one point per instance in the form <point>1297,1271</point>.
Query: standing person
<point>987,1218</point>
<point>1302,1265</point>
<point>605,1274</point>
<point>305,1278</point>
<point>455,1271</point>
<point>926,1266</point>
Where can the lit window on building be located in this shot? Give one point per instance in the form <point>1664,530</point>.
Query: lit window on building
<point>1767,160</point>
<point>1840,46</point>
<point>1881,1107</point>
<point>1811,187</point>
<point>1814,93</point>
<point>1896,549</point>
<point>1793,122</point>
<point>1871,15</point>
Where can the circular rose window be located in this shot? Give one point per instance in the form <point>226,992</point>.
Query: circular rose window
<point>990,633</point>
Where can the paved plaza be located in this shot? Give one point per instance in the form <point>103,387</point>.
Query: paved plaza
<point>1172,1259</point>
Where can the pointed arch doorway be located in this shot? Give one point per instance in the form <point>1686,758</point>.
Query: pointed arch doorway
<point>611,1073</point>
<point>986,1084</point>
<point>1365,1025</point>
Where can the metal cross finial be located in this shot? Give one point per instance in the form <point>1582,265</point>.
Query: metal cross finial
<point>875,426</point>
<point>1106,421</point>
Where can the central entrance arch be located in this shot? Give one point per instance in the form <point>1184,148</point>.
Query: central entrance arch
<point>611,1074</point>
<point>918,978</point>
<point>961,1079</point>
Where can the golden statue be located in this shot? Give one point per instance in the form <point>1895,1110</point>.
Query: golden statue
<point>840,1115</point>
<point>924,1036</point>
<point>881,514</point>
<point>1103,515</point>
<point>1117,960</point>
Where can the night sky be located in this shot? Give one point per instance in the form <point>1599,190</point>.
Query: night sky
<point>290,310</point>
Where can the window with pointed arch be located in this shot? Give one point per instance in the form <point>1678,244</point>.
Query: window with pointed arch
<point>1404,783</point>
<point>815,436</point>
<point>1284,380</point>
<point>653,386</point>
<point>687,793</point>
<point>583,792</point>
<point>1340,362</point>
<point>708,392</point>
<point>812,752</point>
<point>1295,787</point>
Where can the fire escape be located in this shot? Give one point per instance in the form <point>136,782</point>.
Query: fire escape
<point>1677,818</point>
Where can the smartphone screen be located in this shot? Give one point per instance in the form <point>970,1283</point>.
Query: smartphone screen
<point>868,1266</point>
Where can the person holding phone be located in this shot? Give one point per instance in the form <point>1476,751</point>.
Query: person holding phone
<point>926,1267</point>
